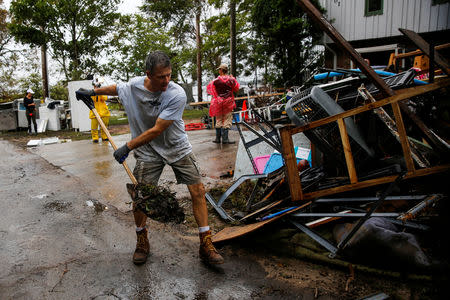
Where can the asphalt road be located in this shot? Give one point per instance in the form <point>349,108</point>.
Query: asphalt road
<point>55,246</point>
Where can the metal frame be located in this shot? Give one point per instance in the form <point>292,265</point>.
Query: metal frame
<point>334,250</point>
<point>218,205</point>
<point>267,137</point>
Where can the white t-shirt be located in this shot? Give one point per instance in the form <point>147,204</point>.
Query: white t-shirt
<point>144,107</point>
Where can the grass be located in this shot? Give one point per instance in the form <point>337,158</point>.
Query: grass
<point>21,137</point>
<point>118,120</point>
<point>191,114</point>
<point>188,114</point>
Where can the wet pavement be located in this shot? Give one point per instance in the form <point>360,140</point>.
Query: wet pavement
<point>55,246</point>
<point>95,166</point>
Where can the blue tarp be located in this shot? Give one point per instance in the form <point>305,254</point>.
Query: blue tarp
<point>276,161</point>
<point>325,75</point>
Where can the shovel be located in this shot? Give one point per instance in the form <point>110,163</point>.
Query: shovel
<point>90,104</point>
<point>146,197</point>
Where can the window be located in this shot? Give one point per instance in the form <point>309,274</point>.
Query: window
<point>373,7</point>
<point>437,2</point>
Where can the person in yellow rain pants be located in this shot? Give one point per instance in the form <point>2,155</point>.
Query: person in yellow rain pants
<point>103,111</point>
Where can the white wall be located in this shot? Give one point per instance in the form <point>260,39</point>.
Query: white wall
<point>79,111</point>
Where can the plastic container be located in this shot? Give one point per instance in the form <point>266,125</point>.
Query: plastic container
<point>276,160</point>
<point>260,163</point>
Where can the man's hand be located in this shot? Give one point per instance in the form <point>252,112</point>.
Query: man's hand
<point>85,96</point>
<point>121,153</point>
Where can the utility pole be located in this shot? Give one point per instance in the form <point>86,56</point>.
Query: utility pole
<point>233,37</point>
<point>199,51</point>
<point>44,68</point>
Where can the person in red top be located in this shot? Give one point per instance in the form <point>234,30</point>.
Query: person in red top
<point>222,103</point>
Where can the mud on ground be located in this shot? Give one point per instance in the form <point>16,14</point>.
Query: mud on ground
<point>288,276</point>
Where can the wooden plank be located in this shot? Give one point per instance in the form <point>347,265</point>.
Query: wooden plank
<point>419,52</point>
<point>390,124</point>
<point>429,136</point>
<point>425,47</point>
<point>373,182</point>
<point>111,141</point>
<point>259,96</point>
<point>403,137</point>
<point>347,151</point>
<point>271,205</point>
<point>229,233</point>
<point>239,98</point>
<point>291,170</point>
<point>326,26</point>
<point>401,95</point>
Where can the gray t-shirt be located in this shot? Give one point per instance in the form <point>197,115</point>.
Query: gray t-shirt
<point>144,107</point>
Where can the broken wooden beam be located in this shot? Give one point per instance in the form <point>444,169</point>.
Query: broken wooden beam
<point>425,48</point>
<point>340,41</point>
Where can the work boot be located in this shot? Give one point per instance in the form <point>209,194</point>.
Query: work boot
<point>218,134</point>
<point>142,247</point>
<point>225,139</point>
<point>208,252</point>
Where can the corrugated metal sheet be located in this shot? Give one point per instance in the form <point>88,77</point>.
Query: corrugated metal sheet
<point>417,15</point>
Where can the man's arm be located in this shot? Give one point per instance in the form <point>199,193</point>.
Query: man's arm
<point>150,134</point>
<point>110,90</point>
<point>122,153</point>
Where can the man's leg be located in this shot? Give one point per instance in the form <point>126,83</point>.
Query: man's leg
<point>94,130</point>
<point>218,129</point>
<point>142,244</point>
<point>106,122</point>
<point>207,252</point>
<point>33,118</point>
<point>227,122</point>
<point>197,192</point>
<point>145,173</point>
<point>27,114</point>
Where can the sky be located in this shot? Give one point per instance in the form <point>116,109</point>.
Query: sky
<point>127,6</point>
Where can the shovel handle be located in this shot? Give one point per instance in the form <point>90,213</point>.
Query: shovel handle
<point>105,130</point>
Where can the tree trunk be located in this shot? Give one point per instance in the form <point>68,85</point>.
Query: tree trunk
<point>44,68</point>
<point>233,37</point>
<point>199,52</point>
<point>44,71</point>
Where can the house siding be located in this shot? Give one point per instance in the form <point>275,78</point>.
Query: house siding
<point>417,15</point>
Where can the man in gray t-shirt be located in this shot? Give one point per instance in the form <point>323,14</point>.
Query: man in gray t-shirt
<point>154,106</point>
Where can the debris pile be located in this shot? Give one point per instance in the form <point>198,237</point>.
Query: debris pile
<point>158,203</point>
<point>380,162</point>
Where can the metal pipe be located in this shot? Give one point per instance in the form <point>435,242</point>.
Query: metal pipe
<point>344,215</point>
<point>363,199</point>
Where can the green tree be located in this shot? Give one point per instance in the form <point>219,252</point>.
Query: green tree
<point>182,19</point>
<point>288,38</point>
<point>59,91</point>
<point>8,81</point>
<point>5,37</point>
<point>31,78</point>
<point>250,54</point>
<point>7,57</point>
<point>74,30</point>
<point>132,39</point>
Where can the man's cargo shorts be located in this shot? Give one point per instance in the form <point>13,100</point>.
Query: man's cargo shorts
<point>186,170</point>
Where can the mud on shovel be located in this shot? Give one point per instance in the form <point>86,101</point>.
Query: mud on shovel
<point>157,203</point>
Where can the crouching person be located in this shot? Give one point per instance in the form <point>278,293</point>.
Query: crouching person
<point>154,106</point>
